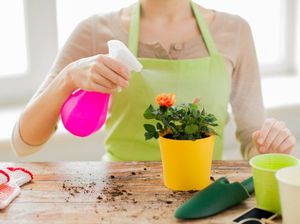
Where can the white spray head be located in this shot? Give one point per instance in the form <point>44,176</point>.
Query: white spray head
<point>117,50</point>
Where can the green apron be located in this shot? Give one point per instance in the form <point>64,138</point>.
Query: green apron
<point>206,78</point>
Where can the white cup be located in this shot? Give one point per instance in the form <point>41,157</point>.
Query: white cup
<point>289,191</point>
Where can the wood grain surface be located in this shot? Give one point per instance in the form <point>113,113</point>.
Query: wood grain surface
<point>99,192</point>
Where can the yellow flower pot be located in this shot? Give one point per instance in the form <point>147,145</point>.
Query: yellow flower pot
<point>186,163</point>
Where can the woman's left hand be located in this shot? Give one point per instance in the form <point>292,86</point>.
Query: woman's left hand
<point>274,137</point>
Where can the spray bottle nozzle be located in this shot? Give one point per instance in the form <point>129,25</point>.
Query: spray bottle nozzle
<point>121,53</point>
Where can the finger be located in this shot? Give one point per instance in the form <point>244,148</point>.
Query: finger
<point>100,80</point>
<point>265,130</point>
<point>112,76</point>
<point>98,88</point>
<point>273,133</point>
<point>288,145</point>
<point>116,66</point>
<point>280,138</point>
<point>255,136</point>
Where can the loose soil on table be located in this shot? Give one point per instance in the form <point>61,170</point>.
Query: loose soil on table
<point>110,190</point>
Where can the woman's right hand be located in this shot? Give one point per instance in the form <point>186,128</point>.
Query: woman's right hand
<point>98,73</point>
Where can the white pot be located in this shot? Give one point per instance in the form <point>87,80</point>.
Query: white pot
<point>289,191</point>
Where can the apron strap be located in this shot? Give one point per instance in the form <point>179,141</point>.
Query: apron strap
<point>134,29</point>
<point>206,35</point>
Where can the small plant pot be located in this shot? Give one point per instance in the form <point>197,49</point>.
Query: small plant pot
<point>186,163</point>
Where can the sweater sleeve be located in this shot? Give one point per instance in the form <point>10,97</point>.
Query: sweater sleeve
<point>78,45</point>
<point>246,95</point>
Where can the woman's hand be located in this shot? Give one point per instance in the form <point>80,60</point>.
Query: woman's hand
<point>274,137</point>
<point>98,73</point>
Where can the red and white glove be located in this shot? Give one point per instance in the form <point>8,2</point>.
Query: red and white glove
<point>10,181</point>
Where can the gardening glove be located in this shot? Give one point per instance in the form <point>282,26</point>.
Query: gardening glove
<point>10,181</point>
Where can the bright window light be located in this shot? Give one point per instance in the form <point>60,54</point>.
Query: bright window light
<point>13,56</point>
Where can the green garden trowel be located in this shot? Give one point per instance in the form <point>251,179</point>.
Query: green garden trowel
<point>215,198</point>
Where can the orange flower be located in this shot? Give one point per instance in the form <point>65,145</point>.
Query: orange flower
<point>165,100</point>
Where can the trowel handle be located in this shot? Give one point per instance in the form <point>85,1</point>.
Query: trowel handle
<point>248,184</point>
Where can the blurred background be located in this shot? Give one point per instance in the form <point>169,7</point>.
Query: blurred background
<point>33,32</point>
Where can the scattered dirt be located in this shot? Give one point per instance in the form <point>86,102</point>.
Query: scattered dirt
<point>78,187</point>
<point>113,191</point>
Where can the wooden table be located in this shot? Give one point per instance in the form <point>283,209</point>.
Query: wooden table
<point>99,192</point>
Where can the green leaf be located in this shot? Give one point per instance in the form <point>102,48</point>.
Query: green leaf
<point>156,135</point>
<point>191,129</point>
<point>149,113</point>
<point>159,126</point>
<point>163,109</point>
<point>194,112</point>
<point>148,135</point>
<point>204,129</point>
<point>150,128</point>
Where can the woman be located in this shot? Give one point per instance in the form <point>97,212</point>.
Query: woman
<point>185,49</point>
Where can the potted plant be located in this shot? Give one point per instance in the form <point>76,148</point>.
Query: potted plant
<point>186,139</point>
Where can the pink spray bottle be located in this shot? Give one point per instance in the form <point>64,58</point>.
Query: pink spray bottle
<point>85,112</point>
